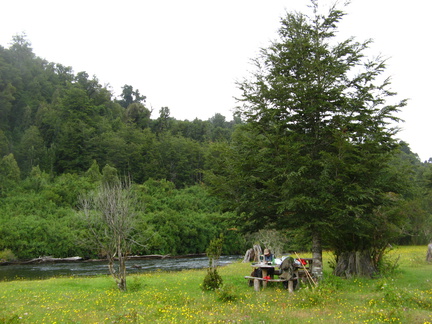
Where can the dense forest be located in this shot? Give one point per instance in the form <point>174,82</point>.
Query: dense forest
<point>62,132</point>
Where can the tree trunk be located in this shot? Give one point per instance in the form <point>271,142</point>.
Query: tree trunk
<point>249,256</point>
<point>118,272</point>
<point>429,253</point>
<point>355,263</point>
<point>111,265</point>
<point>253,254</point>
<point>121,278</point>
<point>316,255</point>
<point>257,252</point>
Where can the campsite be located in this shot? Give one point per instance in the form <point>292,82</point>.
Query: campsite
<point>403,295</point>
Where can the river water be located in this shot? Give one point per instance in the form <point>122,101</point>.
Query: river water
<point>94,268</point>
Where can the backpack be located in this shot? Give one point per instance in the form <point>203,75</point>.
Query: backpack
<point>255,273</point>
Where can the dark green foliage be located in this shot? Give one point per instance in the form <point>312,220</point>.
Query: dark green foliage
<point>38,217</point>
<point>177,159</point>
<point>214,251</point>
<point>315,149</point>
<point>31,151</point>
<point>9,173</point>
<point>184,221</point>
<point>212,280</point>
<point>7,255</point>
<point>130,96</point>
<point>61,122</point>
<point>33,226</point>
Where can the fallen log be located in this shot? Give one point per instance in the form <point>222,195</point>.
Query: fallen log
<point>44,259</point>
<point>164,256</point>
<point>51,259</point>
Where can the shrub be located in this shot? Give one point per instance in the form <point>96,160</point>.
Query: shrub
<point>212,280</point>
<point>226,293</point>
<point>7,255</point>
<point>135,284</point>
<point>388,265</point>
<point>331,281</point>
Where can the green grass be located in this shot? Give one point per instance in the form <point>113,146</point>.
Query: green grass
<point>405,296</point>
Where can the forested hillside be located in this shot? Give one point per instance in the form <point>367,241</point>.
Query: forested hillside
<point>61,132</point>
<point>61,122</point>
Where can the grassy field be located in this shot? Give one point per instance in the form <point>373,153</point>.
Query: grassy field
<point>176,297</point>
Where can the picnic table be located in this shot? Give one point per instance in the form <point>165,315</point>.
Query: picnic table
<point>269,270</point>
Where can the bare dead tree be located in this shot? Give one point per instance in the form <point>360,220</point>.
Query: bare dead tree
<point>110,215</point>
<point>271,239</point>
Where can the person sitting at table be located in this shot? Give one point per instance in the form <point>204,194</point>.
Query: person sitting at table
<point>268,257</point>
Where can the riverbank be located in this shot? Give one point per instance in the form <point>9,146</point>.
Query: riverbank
<point>50,259</point>
<point>176,297</point>
<point>45,270</point>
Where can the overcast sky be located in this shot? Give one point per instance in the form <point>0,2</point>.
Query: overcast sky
<point>187,54</point>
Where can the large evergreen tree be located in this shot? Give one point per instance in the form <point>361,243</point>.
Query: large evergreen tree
<point>317,140</point>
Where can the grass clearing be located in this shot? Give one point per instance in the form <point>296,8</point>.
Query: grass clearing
<point>176,297</point>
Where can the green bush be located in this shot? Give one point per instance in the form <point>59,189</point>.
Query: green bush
<point>388,265</point>
<point>226,293</point>
<point>135,284</point>
<point>212,280</point>
<point>7,255</point>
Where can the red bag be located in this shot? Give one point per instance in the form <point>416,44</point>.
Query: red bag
<point>302,261</point>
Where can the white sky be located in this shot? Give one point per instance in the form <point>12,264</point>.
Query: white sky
<point>187,54</point>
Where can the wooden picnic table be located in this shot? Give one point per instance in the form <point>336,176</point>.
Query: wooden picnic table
<point>265,267</point>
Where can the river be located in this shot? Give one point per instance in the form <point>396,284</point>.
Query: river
<point>94,268</point>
